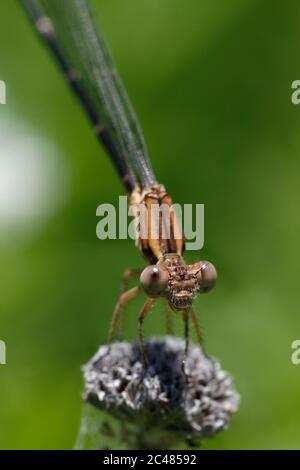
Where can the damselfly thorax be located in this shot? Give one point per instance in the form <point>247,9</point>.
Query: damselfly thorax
<point>158,231</point>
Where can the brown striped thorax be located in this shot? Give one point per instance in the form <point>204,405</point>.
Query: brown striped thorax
<point>157,228</point>
<point>168,276</point>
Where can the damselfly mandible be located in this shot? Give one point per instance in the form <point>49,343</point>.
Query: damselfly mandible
<point>68,29</point>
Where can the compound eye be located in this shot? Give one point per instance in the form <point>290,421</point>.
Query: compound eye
<point>154,280</point>
<point>207,277</point>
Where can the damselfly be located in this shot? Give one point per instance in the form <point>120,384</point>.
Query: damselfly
<point>68,29</point>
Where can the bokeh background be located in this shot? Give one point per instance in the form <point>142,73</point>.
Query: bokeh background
<point>211,83</point>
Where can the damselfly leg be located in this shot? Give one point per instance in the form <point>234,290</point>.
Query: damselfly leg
<point>198,328</point>
<point>123,300</point>
<point>186,313</point>
<point>144,312</point>
<point>128,275</point>
<point>169,319</point>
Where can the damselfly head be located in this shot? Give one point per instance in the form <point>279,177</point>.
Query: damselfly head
<point>180,283</point>
<point>187,281</point>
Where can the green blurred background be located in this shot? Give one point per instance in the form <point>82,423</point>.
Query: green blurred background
<point>211,83</point>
